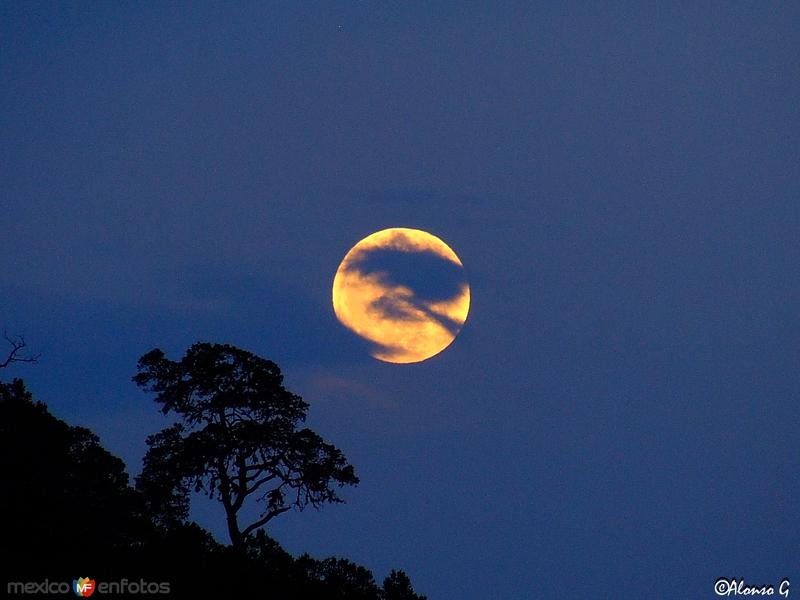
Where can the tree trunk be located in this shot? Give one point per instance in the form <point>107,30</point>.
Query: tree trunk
<point>237,539</point>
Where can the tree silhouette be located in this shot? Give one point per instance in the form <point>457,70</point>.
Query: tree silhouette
<point>237,438</point>
<point>67,505</point>
<point>14,355</point>
<point>62,494</point>
<point>338,579</point>
<point>166,497</point>
<point>397,586</point>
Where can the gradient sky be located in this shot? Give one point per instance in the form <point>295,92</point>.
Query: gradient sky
<point>619,416</point>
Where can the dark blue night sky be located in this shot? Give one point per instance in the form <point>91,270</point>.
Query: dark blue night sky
<point>619,416</point>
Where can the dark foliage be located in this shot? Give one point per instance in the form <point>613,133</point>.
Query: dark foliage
<point>237,438</point>
<point>69,511</point>
<point>60,488</point>
<point>397,586</point>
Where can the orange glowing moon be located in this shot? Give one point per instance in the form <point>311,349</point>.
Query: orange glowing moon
<point>404,291</point>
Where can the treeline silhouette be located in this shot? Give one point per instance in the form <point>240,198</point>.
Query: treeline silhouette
<point>69,509</point>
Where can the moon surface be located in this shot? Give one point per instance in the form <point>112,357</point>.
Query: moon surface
<point>404,291</point>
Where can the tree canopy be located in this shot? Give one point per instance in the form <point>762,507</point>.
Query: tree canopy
<point>68,505</point>
<point>68,508</point>
<point>237,437</point>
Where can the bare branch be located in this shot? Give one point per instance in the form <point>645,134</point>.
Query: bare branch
<point>17,344</point>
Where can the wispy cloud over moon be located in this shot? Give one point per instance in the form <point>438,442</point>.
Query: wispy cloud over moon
<point>403,290</point>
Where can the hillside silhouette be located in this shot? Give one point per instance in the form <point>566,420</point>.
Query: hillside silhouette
<point>68,505</point>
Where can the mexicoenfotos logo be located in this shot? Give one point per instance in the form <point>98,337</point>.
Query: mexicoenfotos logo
<point>83,586</point>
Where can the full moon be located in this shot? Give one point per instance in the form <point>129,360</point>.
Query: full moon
<point>404,291</point>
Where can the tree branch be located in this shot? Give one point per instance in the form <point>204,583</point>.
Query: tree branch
<point>17,344</point>
<point>265,466</point>
<point>264,520</point>
<point>260,482</point>
<point>241,486</point>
